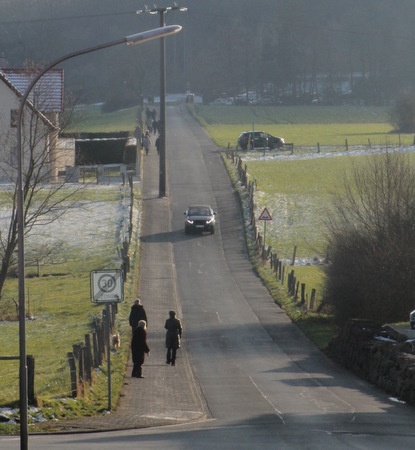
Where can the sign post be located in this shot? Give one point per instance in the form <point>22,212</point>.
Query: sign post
<point>265,216</point>
<point>107,287</point>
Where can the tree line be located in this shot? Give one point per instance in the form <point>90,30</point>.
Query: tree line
<point>278,48</point>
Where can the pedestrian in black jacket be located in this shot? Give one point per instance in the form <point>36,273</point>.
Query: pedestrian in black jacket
<point>139,348</point>
<point>137,313</point>
<point>173,335</point>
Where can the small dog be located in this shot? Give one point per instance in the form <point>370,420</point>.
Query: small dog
<point>116,340</point>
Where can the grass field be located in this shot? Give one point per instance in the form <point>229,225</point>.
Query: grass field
<point>91,119</point>
<point>303,126</point>
<point>59,305</point>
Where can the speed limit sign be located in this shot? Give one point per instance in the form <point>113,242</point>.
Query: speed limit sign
<point>107,286</point>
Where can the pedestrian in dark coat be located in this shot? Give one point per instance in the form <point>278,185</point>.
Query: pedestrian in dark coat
<point>173,335</point>
<point>139,348</point>
<point>137,313</point>
<point>158,145</point>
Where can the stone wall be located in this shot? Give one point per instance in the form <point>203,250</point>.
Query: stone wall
<point>378,354</point>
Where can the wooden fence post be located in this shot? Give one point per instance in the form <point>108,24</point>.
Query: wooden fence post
<point>296,290</point>
<point>97,356</point>
<point>30,361</point>
<point>88,358</point>
<point>312,299</point>
<point>72,371</point>
<point>293,283</point>
<point>79,356</point>
<point>294,255</point>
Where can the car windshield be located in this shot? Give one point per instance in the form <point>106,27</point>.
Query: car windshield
<point>194,211</point>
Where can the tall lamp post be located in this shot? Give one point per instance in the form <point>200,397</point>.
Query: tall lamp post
<point>162,129</point>
<point>138,38</point>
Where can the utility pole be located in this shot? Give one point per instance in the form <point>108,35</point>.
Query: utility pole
<point>162,128</point>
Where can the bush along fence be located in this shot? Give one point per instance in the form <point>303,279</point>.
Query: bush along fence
<point>294,287</point>
<point>89,355</point>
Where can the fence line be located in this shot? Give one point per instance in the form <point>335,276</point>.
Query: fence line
<point>89,354</point>
<point>265,253</point>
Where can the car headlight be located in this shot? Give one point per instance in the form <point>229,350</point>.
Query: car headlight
<point>210,220</point>
<point>189,221</point>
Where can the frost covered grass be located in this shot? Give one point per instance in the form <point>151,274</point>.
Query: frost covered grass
<point>298,192</point>
<point>89,235</point>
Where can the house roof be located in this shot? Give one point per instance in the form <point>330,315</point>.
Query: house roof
<point>29,104</point>
<point>48,90</point>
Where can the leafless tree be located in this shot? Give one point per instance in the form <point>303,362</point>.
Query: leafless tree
<point>45,198</point>
<point>371,229</point>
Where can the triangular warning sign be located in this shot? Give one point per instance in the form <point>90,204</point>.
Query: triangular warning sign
<point>265,215</point>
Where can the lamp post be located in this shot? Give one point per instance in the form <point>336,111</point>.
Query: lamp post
<point>138,38</point>
<point>162,129</point>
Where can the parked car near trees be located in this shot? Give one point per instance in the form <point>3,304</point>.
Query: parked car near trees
<point>259,139</point>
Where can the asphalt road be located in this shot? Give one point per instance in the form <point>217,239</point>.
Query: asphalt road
<point>265,386</point>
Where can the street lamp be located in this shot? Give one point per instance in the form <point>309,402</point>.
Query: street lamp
<point>162,129</point>
<point>138,38</point>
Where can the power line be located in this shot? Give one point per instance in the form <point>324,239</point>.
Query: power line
<point>55,19</point>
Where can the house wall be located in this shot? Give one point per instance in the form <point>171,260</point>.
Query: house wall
<point>9,102</point>
<point>8,134</point>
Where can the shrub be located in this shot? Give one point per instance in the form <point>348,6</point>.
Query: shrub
<point>403,115</point>
<point>371,233</point>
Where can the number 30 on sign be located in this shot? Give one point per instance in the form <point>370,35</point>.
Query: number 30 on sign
<point>107,286</point>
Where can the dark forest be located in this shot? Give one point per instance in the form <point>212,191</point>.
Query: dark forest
<point>295,51</point>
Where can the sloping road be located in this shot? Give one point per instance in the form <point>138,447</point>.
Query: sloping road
<point>265,386</point>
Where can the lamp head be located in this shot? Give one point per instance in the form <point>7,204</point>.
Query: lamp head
<point>149,35</point>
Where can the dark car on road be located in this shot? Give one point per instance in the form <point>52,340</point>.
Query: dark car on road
<point>199,218</point>
<point>259,139</point>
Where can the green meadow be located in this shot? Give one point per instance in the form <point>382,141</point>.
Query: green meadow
<point>90,118</point>
<point>60,310</point>
<point>302,125</point>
